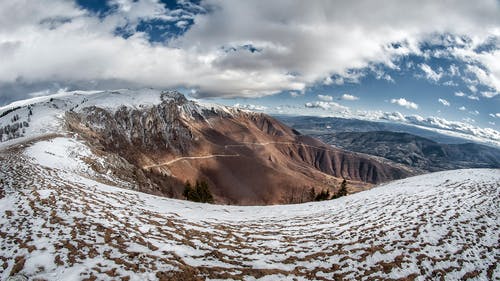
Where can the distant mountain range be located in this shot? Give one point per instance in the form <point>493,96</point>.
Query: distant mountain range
<point>319,125</point>
<point>416,151</point>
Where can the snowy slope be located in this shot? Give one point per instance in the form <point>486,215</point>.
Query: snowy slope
<point>43,116</point>
<point>58,222</point>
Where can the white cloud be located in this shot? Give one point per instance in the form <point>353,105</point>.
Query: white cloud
<point>456,126</point>
<point>444,102</point>
<point>462,108</point>
<point>477,133</point>
<point>299,45</point>
<point>454,70</point>
<point>328,81</point>
<point>473,97</point>
<point>252,107</point>
<point>295,94</point>
<point>394,116</point>
<point>459,94</point>
<point>475,112</point>
<point>337,81</point>
<point>405,103</point>
<point>430,73</point>
<point>349,97</point>
<point>327,106</point>
<point>450,83</point>
<point>325,98</point>
<point>469,120</point>
<point>489,74</point>
<point>472,88</point>
<point>489,94</point>
<point>182,24</point>
<point>495,115</point>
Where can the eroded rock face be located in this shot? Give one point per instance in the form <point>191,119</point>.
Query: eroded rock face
<point>247,158</point>
<point>155,128</point>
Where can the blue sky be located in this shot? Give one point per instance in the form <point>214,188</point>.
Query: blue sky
<point>296,57</point>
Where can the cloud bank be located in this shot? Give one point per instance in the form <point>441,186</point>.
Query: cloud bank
<point>235,48</point>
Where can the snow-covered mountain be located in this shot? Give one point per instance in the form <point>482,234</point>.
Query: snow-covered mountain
<point>155,141</point>
<point>40,116</point>
<point>59,220</point>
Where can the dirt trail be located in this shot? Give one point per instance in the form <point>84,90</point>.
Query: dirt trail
<point>242,144</point>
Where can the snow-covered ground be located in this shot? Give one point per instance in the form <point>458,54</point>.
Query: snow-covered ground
<point>58,222</point>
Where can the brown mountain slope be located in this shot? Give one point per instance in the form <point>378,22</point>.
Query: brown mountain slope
<point>247,158</point>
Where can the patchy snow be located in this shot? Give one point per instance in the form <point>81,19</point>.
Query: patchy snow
<point>66,225</point>
<point>60,153</point>
<point>43,116</point>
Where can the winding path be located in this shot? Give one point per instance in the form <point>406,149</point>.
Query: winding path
<point>242,144</point>
<point>188,158</point>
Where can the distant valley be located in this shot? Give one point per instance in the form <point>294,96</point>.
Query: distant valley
<point>399,143</point>
<point>416,151</point>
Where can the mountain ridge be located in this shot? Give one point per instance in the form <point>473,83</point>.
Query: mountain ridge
<point>416,151</point>
<point>160,140</point>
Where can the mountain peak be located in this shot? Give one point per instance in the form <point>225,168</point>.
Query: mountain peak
<point>176,96</point>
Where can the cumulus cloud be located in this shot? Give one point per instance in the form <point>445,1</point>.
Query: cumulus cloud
<point>405,103</point>
<point>462,108</point>
<point>454,70</point>
<point>48,42</point>
<point>253,107</point>
<point>489,94</point>
<point>459,94</point>
<point>349,97</point>
<point>430,73</point>
<point>495,115</point>
<point>473,97</point>
<point>325,97</point>
<point>465,126</point>
<point>444,102</point>
<point>327,106</point>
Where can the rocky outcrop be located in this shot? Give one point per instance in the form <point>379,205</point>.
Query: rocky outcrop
<point>154,128</point>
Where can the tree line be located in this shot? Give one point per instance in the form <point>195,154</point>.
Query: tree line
<point>325,194</point>
<point>198,193</point>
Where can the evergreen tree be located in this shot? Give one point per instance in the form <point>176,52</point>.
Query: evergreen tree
<point>200,192</point>
<point>203,192</point>
<point>343,188</point>
<point>189,193</point>
<point>187,189</point>
<point>323,195</point>
<point>342,191</point>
